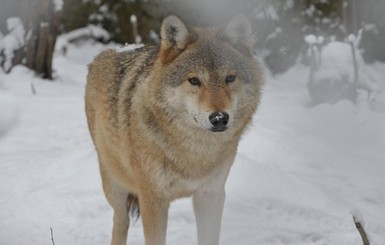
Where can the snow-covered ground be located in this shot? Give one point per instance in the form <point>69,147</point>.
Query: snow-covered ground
<point>300,174</point>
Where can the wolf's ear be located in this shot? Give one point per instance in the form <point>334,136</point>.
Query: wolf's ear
<point>238,32</point>
<point>175,37</point>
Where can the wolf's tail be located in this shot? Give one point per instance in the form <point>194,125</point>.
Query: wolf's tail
<point>133,207</point>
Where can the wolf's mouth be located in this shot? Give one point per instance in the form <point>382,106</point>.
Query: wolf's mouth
<point>218,129</point>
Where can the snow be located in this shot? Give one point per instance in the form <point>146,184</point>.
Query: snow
<point>103,8</point>
<point>311,39</point>
<point>129,47</point>
<point>300,174</point>
<point>337,57</point>
<point>58,5</point>
<point>320,39</point>
<point>351,38</point>
<point>334,77</point>
<point>274,34</point>
<point>268,12</point>
<point>310,11</point>
<point>133,19</point>
<point>90,31</point>
<point>289,4</point>
<point>154,36</point>
<point>12,41</point>
<point>8,115</point>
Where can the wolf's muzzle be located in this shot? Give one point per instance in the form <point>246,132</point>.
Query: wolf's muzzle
<point>219,120</point>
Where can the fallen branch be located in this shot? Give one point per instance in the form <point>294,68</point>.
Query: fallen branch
<point>53,241</point>
<point>33,88</point>
<point>361,230</point>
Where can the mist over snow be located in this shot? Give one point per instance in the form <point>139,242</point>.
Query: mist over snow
<point>300,175</point>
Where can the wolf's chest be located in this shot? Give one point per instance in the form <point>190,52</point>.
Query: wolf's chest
<point>175,185</point>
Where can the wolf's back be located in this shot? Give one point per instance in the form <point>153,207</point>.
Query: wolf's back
<point>112,80</point>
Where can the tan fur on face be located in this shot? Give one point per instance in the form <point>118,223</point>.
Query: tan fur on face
<point>205,99</point>
<point>151,129</point>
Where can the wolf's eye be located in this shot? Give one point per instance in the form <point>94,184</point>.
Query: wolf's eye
<point>230,78</point>
<point>195,81</point>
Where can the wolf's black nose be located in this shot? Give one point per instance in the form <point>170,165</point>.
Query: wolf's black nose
<point>219,120</point>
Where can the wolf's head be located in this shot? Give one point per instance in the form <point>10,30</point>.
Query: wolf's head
<point>208,77</point>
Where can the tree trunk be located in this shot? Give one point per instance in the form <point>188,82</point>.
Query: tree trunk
<point>41,23</point>
<point>41,49</point>
<point>354,17</point>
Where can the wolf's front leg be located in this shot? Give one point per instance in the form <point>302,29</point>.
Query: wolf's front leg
<point>208,207</point>
<point>154,211</point>
<point>208,203</point>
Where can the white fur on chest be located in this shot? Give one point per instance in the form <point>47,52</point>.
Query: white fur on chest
<point>175,186</point>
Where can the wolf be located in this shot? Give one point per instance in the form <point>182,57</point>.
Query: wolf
<point>166,121</point>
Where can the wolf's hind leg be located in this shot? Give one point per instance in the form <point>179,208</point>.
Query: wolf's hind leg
<point>117,197</point>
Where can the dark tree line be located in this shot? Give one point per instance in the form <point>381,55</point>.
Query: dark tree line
<point>279,25</point>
